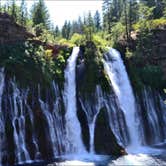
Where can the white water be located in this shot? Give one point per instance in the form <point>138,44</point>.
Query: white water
<point>18,122</point>
<point>55,123</point>
<point>2,127</point>
<point>73,130</point>
<point>91,109</point>
<point>121,85</point>
<point>155,122</point>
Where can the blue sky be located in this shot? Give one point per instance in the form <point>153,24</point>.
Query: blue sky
<point>69,9</point>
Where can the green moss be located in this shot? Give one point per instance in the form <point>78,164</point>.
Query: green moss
<point>94,69</point>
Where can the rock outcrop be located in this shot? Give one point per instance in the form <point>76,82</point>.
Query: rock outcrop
<point>159,48</point>
<point>10,31</point>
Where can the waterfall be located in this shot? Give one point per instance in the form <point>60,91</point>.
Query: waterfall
<point>2,127</point>
<point>116,120</point>
<point>73,130</point>
<point>121,85</point>
<point>56,130</point>
<point>91,109</point>
<point>152,113</point>
<point>18,122</point>
<point>42,124</point>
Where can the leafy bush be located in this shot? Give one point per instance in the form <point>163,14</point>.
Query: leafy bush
<point>77,39</point>
<point>148,75</point>
<point>31,64</point>
<point>149,24</point>
<point>43,34</point>
<point>99,41</point>
<point>118,31</point>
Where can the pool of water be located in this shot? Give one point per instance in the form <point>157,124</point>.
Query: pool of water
<point>142,156</point>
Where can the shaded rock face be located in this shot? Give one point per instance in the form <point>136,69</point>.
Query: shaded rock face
<point>10,31</point>
<point>90,113</point>
<point>152,115</point>
<point>84,126</point>
<point>30,124</point>
<point>105,141</point>
<point>159,49</point>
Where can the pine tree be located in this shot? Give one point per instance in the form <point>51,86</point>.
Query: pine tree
<point>40,14</point>
<point>80,25</point>
<point>24,13</point>
<point>106,15</point>
<point>56,31</point>
<point>97,21</point>
<point>0,6</point>
<point>90,22</point>
<point>13,10</point>
<point>66,30</point>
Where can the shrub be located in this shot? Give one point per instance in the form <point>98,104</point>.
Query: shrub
<point>77,39</point>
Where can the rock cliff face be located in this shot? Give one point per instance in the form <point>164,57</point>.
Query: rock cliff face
<point>10,31</point>
<point>160,48</point>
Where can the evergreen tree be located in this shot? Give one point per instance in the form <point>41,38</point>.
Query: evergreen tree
<point>126,19</point>
<point>97,21</point>
<point>0,6</point>
<point>90,22</point>
<point>66,30</point>
<point>56,32</point>
<point>13,10</point>
<point>80,26</point>
<point>40,14</point>
<point>24,13</point>
<point>106,15</point>
<point>159,8</point>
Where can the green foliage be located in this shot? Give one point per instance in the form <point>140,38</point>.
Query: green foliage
<point>129,54</point>
<point>43,34</point>
<point>24,13</point>
<point>77,39</point>
<point>94,69</point>
<point>66,30</point>
<point>142,74</point>
<point>145,12</point>
<point>28,61</point>
<point>32,64</point>
<point>150,24</point>
<point>60,64</point>
<point>152,76</point>
<point>100,42</point>
<point>97,21</point>
<point>40,14</point>
<point>118,30</point>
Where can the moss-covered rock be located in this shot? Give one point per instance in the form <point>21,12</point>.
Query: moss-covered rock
<point>93,70</point>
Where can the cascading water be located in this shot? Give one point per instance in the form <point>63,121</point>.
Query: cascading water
<point>121,85</point>
<point>116,120</point>
<point>73,130</point>
<point>91,111</point>
<point>56,130</point>
<point>28,118</point>
<point>2,127</point>
<point>18,122</point>
<point>151,110</point>
<point>34,139</point>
